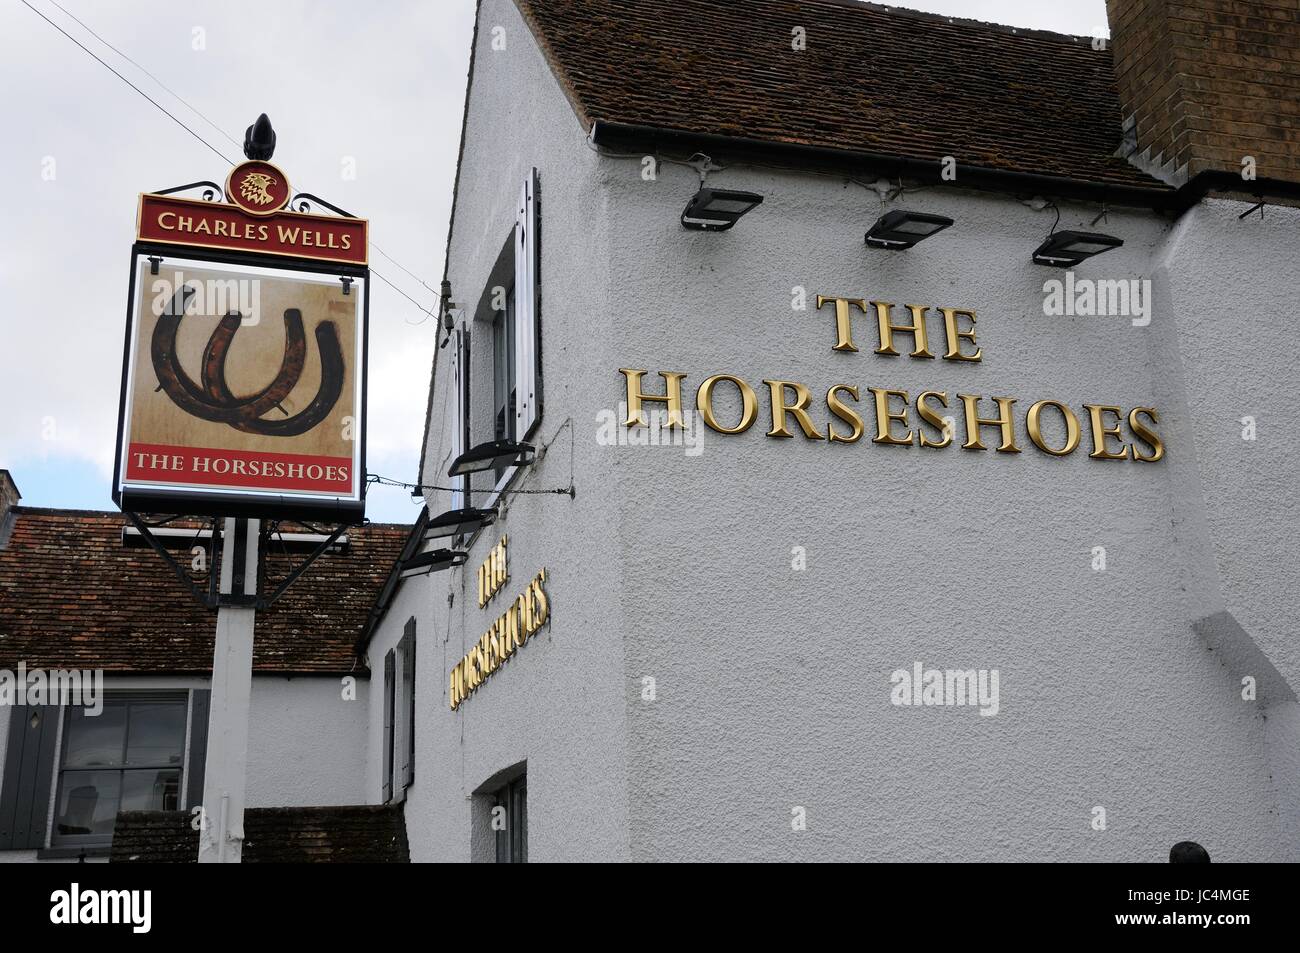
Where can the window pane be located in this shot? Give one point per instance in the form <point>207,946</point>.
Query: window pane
<point>503,369</point>
<point>95,741</point>
<point>519,822</point>
<point>88,801</point>
<point>156,734</point>
<point>151,790</point>
<point>501,809</point>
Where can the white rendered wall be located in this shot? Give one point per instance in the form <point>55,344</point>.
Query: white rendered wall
<point>307,745</point>
<point>559,704</point>
<point>772,685</point>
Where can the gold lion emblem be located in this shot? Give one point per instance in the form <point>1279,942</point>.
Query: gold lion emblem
<point>254,188</point>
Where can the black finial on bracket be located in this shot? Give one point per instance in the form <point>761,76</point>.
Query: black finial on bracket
<point>259,139</point>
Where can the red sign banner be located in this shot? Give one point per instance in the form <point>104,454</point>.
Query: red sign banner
<point>194,223</point>
<point>267,472</point>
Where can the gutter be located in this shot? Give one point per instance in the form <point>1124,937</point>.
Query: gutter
<point>1158,197</point>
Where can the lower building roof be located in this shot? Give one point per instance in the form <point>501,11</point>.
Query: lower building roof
<point>72,595</point>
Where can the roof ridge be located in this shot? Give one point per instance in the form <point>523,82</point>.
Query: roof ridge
<point>933,17</point>
<point>61,511</point>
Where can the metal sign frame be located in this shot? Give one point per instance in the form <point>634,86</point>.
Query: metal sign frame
<point>233,503</point>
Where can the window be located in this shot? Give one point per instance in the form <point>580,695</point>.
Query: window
<point>504,373</point>
<point>509,307</point>
<point>510,820</point>
<point>130,757</point>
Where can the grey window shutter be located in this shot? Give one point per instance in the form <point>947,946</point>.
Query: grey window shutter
<point>200,709</point>
<point>388,726</point>
<point>28,774</point>
<point>408,702</point>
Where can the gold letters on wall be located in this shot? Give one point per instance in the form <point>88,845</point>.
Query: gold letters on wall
<point>523,617</point>
<point>987,422</point>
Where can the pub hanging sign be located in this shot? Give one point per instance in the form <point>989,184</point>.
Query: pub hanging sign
<point>243,391</point>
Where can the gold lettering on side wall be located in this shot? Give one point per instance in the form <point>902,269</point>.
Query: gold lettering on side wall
<point>1146,435</point>
<point>931,417</point>
<point>672,396</point>
<point>843,319</point>
<point>748,403</point>
<point>493,573</point>
<point>888,329</point>
<point>505,636</point>
<point>845,413</point>
<point>1003,421</point>
<point>1101,432</point>
<point>780,408</point>
<point>1116,433</point>
<point>885,418</point>
<point>1036,432</point>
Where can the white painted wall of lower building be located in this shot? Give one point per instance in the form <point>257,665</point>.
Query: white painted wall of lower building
<point>307,744</point>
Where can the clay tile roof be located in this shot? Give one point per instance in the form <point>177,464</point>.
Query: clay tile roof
<point>872,79</point>
<point>73,596</point>
<point>374,834</point>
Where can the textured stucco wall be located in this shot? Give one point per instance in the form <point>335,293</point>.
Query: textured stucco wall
<point>772,685</point>
<point>559,704</point>
<point>307,746</point>
<point>1233,287</point>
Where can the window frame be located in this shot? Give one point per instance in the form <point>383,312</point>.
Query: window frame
<point>184,697</point>
<point>518,270</point>
<point>513,796</point>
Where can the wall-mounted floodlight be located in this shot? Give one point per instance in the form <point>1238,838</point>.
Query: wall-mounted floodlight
<point>716,210</point>
<point>458,523</point>
<point>435,561</point>
<point>496,455</point>
<point>1067,249</point>
<point>901,229</point>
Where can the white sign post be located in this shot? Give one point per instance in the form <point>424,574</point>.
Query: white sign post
<point>221,838</point>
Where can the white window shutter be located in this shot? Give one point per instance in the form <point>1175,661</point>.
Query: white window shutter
<point>459,410</point>
<point>527,299</point>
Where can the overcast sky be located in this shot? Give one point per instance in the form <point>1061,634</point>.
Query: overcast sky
<point>377,86</point>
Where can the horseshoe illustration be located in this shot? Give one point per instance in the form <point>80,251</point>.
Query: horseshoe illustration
<point>178,385</point>
<point>214,365</point>
<point>215,402</point>
<point>331,386</point>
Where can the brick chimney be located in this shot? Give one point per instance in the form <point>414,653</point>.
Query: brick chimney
<point>1205,83</point>
<point>9,497</point>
